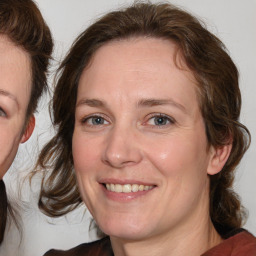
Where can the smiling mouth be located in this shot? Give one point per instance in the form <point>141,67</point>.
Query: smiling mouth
<point>127,188</point>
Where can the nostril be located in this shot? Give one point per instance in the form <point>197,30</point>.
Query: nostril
<point>121,151</point>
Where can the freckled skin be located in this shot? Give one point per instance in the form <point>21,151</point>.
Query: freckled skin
<point>129,145</point>
<point>15,79</point>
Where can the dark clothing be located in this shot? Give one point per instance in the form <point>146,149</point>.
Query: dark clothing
<point>240,243</point>
<point>98,248</point>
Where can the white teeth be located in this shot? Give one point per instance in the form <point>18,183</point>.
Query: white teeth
<point>112,187</point>
<point>127,188</point>
<point>135,188</point>
<point>141,187</point>
<point>118,188</point>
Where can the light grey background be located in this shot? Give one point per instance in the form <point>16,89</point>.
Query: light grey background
<point>233,21</point>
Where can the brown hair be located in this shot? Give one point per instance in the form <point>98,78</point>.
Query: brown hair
<point>218,93</point>
<point>22,22</point>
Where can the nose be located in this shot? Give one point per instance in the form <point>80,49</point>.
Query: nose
<point>122,148</point>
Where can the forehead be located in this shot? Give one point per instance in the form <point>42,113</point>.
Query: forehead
<point>15,70</point>
<point>150,48</point>
<point>135,63</point>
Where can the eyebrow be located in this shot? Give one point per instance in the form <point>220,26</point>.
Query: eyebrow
<point>91,103</point>
<point>160,102</point>
<point>141,103</point>
<point>9,95</point>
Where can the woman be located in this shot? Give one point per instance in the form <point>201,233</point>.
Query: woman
<point>150,135</point>
<point>25,49</point>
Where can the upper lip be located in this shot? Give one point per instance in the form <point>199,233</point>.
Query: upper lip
<point>125,181</point>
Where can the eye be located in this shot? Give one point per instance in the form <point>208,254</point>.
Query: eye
<point>95,121</point>
<point>160,120</point>
<point>2,113</point>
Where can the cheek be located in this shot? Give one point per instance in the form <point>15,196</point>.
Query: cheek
<point>9,144</point>
<point>182,164</point>
<point>178,155</point>
<point>86,158</point>
<point>86,153</point>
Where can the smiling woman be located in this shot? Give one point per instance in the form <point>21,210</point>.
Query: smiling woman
<point>25,48</point>
<point>134,144</point>
<point>150,138</point>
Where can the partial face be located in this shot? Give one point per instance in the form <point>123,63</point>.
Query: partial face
<point>139,144</point>
<point>15,86</point>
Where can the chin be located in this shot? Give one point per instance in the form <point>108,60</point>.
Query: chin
<point>127,231</point>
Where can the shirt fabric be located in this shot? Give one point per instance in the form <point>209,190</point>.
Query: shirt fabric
<point>239,243</point>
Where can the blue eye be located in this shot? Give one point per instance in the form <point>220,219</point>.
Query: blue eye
<point>97,120</point>
<point>2,113</point>
<point>160,120</point>
<point>94,120</point>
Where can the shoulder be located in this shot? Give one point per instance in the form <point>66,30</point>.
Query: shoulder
<point>241,243</point>
<point>100,247</point>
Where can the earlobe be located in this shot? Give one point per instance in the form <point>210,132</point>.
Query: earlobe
<point>219,157</point>
<point>29,129</point>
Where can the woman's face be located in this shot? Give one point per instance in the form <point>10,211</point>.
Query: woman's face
<point>15,87</point>
<point>139,144</point>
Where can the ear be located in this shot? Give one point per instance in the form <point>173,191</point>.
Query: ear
<point>218,158</point>
<point>29,129</point>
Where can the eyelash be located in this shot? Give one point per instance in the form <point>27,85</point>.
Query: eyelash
<point>85,120</point>
<point>165,118</point>
<point>2,111</point>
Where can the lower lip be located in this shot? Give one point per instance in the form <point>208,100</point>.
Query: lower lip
<point>124,197</point>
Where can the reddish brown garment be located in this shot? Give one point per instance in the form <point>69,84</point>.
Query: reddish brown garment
<point>241,243</point>
<point>98,248</point>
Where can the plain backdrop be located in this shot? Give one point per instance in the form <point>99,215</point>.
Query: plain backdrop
<point>233,21</point>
